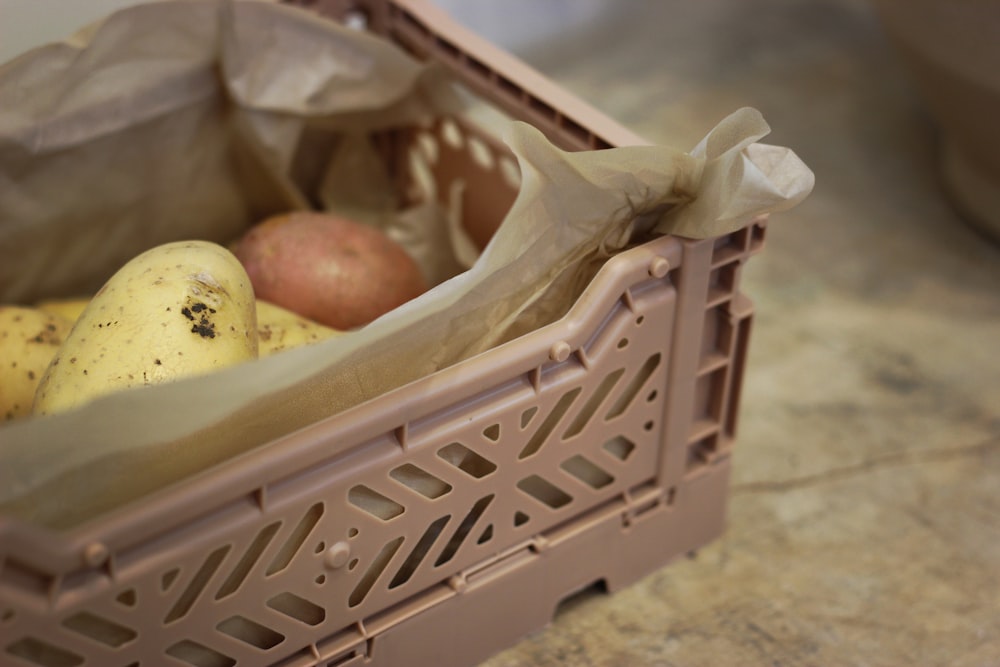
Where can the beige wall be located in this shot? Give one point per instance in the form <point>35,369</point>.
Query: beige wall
<point>27,23</point>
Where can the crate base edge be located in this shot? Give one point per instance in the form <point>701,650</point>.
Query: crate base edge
<point>493,613</point>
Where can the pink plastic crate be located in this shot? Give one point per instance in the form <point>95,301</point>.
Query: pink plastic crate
<point>439,523</point>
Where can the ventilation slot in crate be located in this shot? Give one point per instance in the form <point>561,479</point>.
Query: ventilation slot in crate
<point>127,598</point>
<point>492,432</point>
<point>709,395</point>
<point>717,338</point>
<point>593,403</point>
<point>199,655</point>
<point>466,460</point>
<point>100,629</point>
<point>45,654</point>
<point>702,452</point>
<point>295,540</point>
<point>544,491</point>
<point>168,578</point>
<point>196,585</point>
<point>374,503</point>
<point>634,386</point>
<point>619,447</point>
<point>250,632</point>
<point>722,283</point>
<point>463,530</point>
<point>298,608</point>
<point>420,480</point>
<point>587,472</point>
<point>419,552</point>
<point>740,346</point>
<point>374,571</point>
<point>248,560</point>
<point>731,247</point>
<point>541,435</point>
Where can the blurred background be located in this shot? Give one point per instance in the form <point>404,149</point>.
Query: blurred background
<point>27,23</point>
<point>864,518</point>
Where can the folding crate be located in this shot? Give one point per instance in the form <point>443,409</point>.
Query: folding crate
<point>439,523</point>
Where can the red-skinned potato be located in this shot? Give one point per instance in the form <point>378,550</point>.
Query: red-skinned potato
<point>330,269</point>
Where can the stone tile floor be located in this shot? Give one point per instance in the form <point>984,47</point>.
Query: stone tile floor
<point>864,524</point>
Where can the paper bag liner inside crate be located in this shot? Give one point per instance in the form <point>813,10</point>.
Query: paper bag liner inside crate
<point>185,120</point>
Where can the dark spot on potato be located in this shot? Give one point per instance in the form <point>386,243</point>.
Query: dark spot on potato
<point>158,362</point>
<point>85,371</point>
<point>186,312</point>
<point>13,364</point>
<point>168,309</point>
<point>72,360</point>
<point>50,327</point>
<point>31,375</point>
<point>38,338</point>
<point>205,329</point>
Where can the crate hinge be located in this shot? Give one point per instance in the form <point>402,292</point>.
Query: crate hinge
<point>499,564</point>
<point>640,501</point>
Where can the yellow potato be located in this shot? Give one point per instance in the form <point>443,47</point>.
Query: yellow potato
<point>29,338</point>
<point>71,308</point>
<point>280,329</point>
<point>177,310</point>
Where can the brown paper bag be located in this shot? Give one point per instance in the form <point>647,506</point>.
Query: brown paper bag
<point>194,119</point>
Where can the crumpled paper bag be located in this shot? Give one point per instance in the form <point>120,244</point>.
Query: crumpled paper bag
<point>194,119</point>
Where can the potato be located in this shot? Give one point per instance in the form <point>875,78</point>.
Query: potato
<point>277,328</point>
<point>29,338</point>
<point>70,308</point>
<point>177,310</point>
<point>280,329</point>
<point>332,270</point>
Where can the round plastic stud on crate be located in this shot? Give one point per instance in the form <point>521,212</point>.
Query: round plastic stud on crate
<point>658,267</point>
<point>337,556</point>
<point>95,554</point>
<point>560,351</point>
